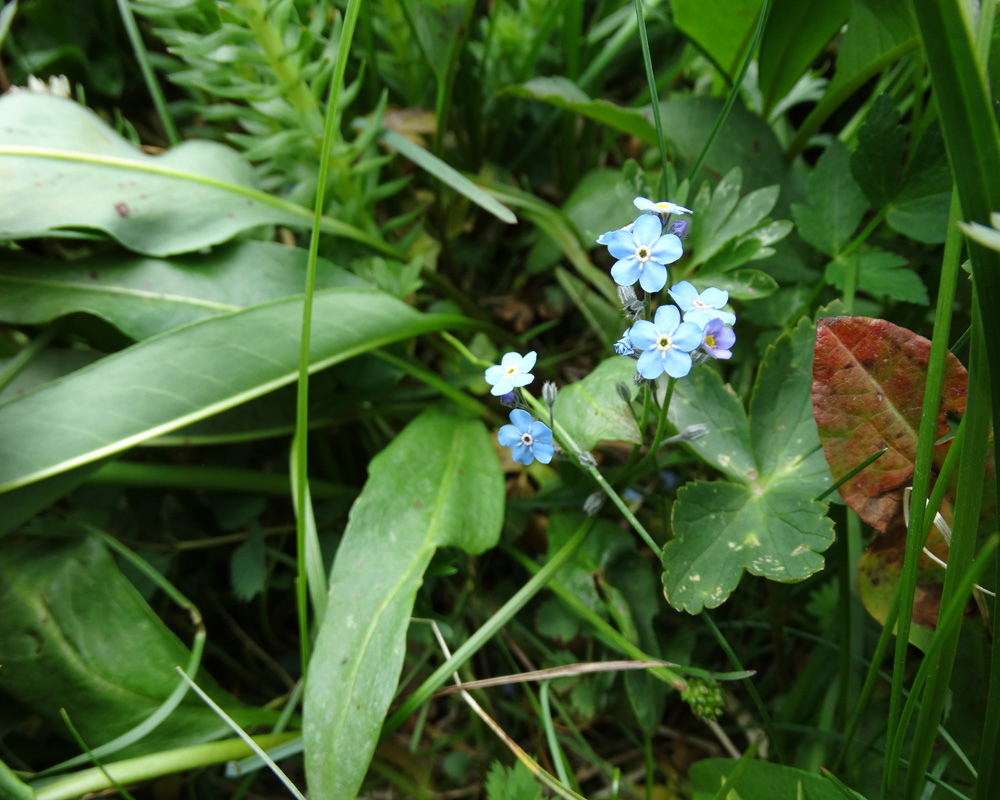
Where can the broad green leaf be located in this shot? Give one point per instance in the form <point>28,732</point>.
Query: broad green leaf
<point>722,29</point>
<point>563,93</point>
<point>762,780</point>
<point>744,284</point>
<point>836,203</point>
<point>146,296</point>
<point>722,215</point>
<point>877,162</point>
<point>881,274</point>
<point>591,409</point>
<point>184,376</point>
<point>65,168</point>
<point>868,379</point>
<point>77,635</point>
<point>796,33</point>
<point>746,141</point>
<point>437,484</point>
<point>765,521</point>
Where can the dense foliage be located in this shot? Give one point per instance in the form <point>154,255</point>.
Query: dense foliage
<point>636,360</point>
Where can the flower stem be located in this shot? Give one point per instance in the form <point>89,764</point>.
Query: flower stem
<point>572,447</point>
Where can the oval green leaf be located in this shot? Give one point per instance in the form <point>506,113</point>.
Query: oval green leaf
<point>404,513</point>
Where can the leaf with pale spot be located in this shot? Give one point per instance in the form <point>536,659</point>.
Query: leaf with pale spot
<point>764,519</point>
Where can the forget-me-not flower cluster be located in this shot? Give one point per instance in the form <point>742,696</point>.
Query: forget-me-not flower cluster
<point>678,337</point>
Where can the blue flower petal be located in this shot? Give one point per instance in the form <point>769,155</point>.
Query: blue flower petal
<point>528,362</point>
<point>509,436</point>
<point>684,294</point>
<point>667,249</point>
<point>653,276</point>
<point>666,319</point>
<point>716,298</point>
<point>626,271</point>
<point>541,433</point>
<point>643,334</point>
<point>677,363</point>
<point>522,454</point>
<point>650,364</point>
<point>647,229</point>
<point>622,244</point>
<point>543,452</point>
<point>687,337</point>
<point>522,420</point>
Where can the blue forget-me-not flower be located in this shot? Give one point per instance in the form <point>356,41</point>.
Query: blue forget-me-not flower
<point>513,371</point>
<point>661,207</point>
<point>717,339</point>
<point>666,343</point>
<point>700,308</point>
<point>643,253</point>
<point>527,438</point>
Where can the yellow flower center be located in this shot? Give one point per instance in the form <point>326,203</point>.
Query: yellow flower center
<point>664,342</point>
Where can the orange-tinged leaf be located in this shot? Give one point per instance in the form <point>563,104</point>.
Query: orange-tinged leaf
<point>868,393</point>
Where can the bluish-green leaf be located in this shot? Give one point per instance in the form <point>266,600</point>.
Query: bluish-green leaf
<point>77,635</point>
<point>65,168</point>
<point>764,520</point>
<point>184,376</point>
<point>591,410</point>
<point>145,296</point>
<point>454,499</point>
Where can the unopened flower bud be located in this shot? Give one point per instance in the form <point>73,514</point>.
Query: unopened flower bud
<point>623,391</point>
<point>691,433</point>
<point>593,503</point>
<point>549,392</point>
<point>586,459</point>
<point>509,399</point>
<point>679,228</point>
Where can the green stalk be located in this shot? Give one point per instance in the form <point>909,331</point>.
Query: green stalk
<point>654,97</point>
<point>572,448</point>
<point>154,766</point>
<point>135,37</point>
<point>765,11</point>
<point>765,717</point>
<point>922,471</point>
<point>492,626</point>
<point>302,405</point>
<point>961,553</point>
